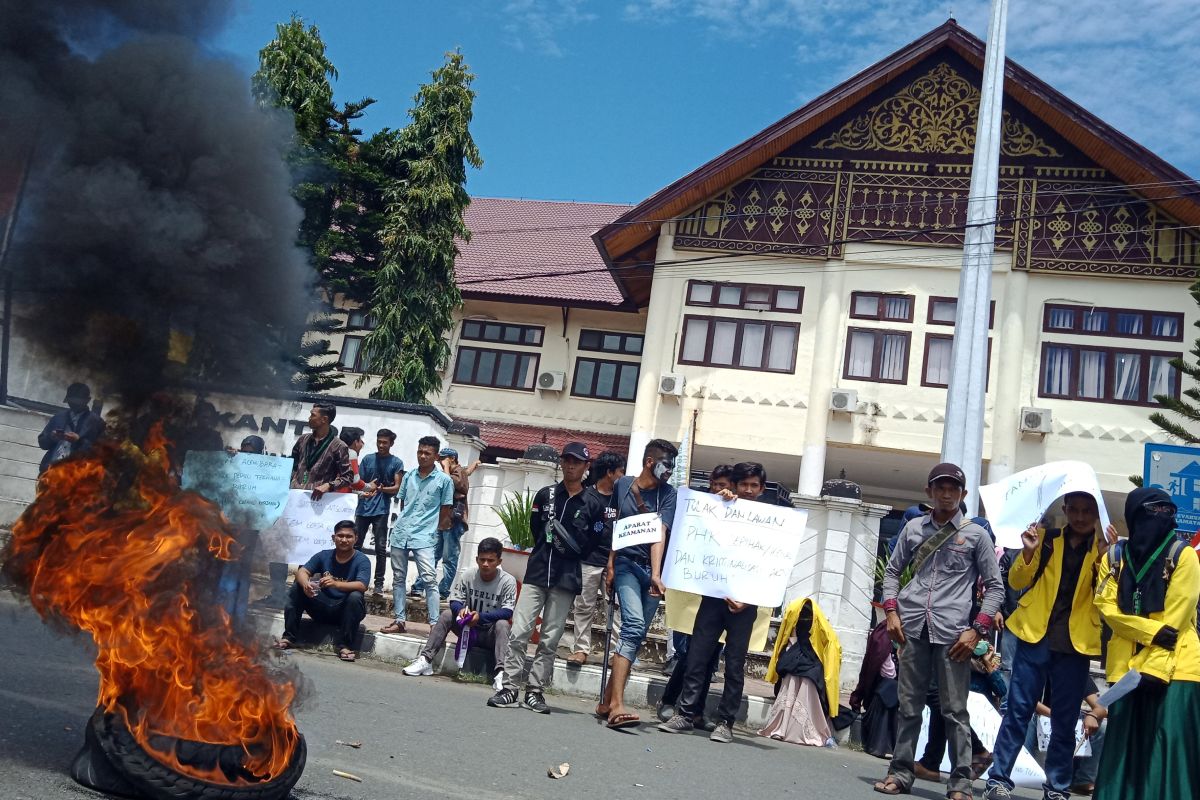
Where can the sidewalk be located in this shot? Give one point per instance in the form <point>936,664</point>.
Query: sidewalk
<point>644,689</point>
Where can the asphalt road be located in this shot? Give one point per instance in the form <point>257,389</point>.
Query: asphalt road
<point>422,738</point>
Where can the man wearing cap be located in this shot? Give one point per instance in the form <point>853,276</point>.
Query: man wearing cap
<point>930,618</point>
<point>1056,633</point>
<point>71,431</point>
<point>563,523</point>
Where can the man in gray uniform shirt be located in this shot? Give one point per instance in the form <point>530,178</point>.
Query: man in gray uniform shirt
<point>930,619</point>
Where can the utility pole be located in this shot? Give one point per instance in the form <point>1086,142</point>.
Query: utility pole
<point>962,438</point>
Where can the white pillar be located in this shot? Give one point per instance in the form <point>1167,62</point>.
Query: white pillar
<point>656,355</point>
<point>821,382</point>
<point>962,441</point>
<point>1010,364</point>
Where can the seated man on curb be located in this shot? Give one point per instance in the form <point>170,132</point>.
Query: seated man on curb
<point>330,587</point>
<point>484,598</point>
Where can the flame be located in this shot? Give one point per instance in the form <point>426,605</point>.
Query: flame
<point>112,546</point>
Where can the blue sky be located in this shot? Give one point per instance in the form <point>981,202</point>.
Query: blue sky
<point>610,100</point>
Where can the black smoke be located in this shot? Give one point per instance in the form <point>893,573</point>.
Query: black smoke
<point>157,226</point>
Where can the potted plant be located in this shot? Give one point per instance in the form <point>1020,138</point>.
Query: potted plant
<point>514,513</point>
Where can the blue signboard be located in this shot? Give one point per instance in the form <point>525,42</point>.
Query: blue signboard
<point>1176,470</point>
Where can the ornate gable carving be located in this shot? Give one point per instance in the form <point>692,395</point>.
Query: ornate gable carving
<point>936,113</point>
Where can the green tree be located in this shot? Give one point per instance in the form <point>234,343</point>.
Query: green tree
<point>415,294</point>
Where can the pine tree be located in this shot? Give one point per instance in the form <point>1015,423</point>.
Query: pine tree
<point>415,294</point>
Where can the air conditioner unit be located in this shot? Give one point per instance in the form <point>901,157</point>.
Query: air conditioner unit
<point>1035,420</point>
<point>843,400</point>
<point>671,383</point>
<point>551,381</point>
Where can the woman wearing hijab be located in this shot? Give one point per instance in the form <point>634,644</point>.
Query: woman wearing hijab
<point>1147,594</point>
<point>804,669</point>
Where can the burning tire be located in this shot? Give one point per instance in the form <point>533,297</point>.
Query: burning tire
<point>155,781</point>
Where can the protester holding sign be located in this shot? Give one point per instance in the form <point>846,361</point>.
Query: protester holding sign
<point>931,619</point>
<point>635,572</point>
<point>1147,594</point>
<point>719,616</point>
<point>607,469</point>
<point>1057,632</point>
<point>563,522</point>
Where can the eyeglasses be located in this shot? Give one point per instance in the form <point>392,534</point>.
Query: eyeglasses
<point>1159,508</point>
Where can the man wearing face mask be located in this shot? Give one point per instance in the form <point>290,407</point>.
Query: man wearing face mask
<point>635,573</point>
<point>1057,633</point>
<point>563,521</point>
<point>70,431</point>
<point>1147,593</point>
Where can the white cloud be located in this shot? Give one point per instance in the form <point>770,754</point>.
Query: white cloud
<point>1130,64</point>
<point>536,24</point>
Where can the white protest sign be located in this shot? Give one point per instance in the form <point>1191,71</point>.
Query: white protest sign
<point>1083,747</point>
<point>307,525</point>
<point>638,529</point>
<point>251,489</point>
<point>1015,502</point>
<point>985,721</point>
<point>737,549</point>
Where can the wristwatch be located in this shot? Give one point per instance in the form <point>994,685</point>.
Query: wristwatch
<point>981,629</point>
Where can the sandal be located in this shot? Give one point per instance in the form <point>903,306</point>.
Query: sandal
<point>957,795</point>
<point>348,655</point>
<point>626,720</point>
<point>284,644</point>
<point>890,785</point>
<point>393,627</point>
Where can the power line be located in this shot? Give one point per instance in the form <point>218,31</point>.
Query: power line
<point>915,203</point>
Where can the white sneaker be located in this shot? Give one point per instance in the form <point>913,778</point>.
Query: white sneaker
<point>419,667</point>
<point>498,681</point>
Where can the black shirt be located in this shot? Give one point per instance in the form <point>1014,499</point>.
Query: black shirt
<point>547,567</point>
<point>1058,632</point>
<point>602,528</point>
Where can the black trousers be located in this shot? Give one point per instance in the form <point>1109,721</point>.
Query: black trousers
<point>674,687</point>
<point>712,619</point>
<point>379,531</point>
<point>345,612</point>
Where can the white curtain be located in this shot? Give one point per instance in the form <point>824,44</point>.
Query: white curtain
<point>754,336</point>
<point>783,348</point>
<point>1091,373</point>
<point>1056,372</point>
<point>897,307</point>
<point>1130,324</point>
<point>894,359</point>
<point>1063,318</point>
<point>1162,377</point>
<point>1165,326</point>
<point>1127,372</point>
<point>724,334</point>
<point>1095,320</point>
<point>866,305</point>
<point>695,335</point>
<point>862,354</point>
<point>937,362</point>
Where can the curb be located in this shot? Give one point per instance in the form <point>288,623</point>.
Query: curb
<point>642,690</point>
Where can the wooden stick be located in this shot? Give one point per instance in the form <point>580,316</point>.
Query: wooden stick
<point>347,776</point>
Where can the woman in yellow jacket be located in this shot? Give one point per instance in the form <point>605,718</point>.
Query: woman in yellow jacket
<point>1148,598</point>
<point>805,669</point>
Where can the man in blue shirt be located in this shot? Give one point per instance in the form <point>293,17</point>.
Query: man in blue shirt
<point>382,473</point>
<point>635,573</point>
<point>330,588</point>
<point>426,503</point>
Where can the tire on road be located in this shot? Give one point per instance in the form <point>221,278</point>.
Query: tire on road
<point>156,781</point>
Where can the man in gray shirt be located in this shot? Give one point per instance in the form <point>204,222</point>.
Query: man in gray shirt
<point>930,618</point>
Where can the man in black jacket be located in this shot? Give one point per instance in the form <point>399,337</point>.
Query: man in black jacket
<point>563,523</point>
<point>71,431</point>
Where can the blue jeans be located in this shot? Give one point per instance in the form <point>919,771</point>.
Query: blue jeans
<point>446,550</point>
<point>631,583</point>
<point>1032,666</point>
<point>425,562</point>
